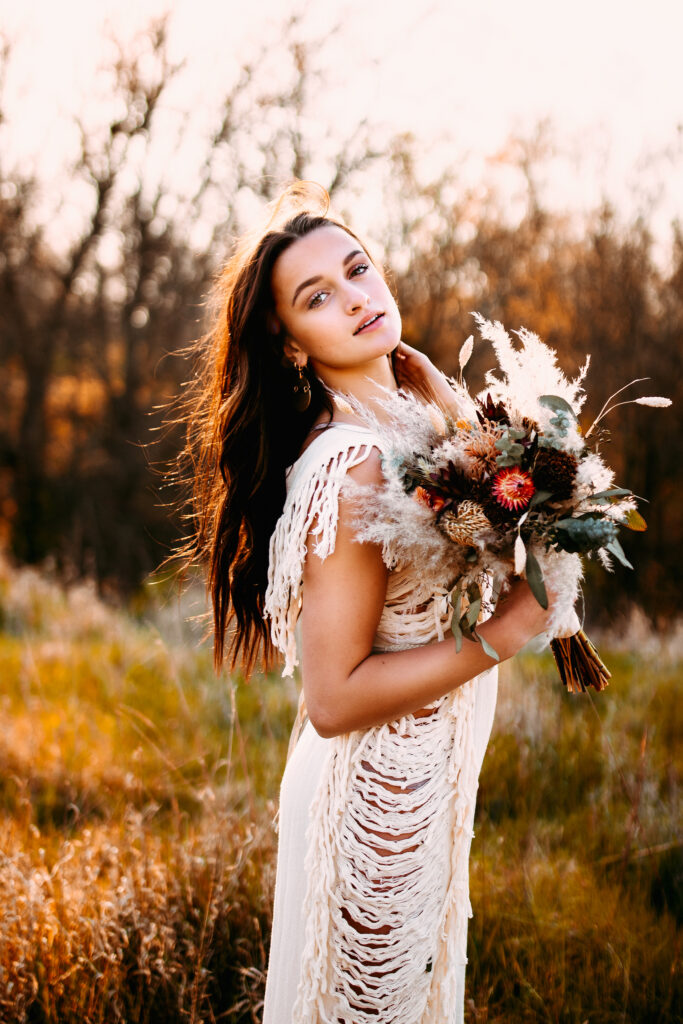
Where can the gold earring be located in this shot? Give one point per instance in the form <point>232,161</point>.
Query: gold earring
<point>301,392</point>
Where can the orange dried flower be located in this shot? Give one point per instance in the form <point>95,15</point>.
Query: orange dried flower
<point>481,448</point>
<point>429,498</point>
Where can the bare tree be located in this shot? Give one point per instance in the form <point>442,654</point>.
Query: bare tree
<point>77,483</point>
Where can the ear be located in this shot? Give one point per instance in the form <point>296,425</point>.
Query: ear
<point>292,352</point>
<point>290,349</point>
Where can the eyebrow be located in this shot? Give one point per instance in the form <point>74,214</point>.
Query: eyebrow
<point>314,280</point>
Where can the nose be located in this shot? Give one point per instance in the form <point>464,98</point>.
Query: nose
<point>356,297</point>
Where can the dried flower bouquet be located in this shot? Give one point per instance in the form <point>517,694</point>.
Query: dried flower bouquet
<point>511,486</point>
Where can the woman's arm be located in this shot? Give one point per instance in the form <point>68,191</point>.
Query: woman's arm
<point>346,686</point>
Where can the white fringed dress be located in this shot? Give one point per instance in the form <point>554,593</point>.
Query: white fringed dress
<point>372,886</point>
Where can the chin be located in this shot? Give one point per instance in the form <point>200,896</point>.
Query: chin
<point>394,343</point>
<point>388,347</point>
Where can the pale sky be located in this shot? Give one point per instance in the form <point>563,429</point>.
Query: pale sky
<point>460,75</point>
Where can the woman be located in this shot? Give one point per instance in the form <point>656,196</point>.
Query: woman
<point>377,800</point>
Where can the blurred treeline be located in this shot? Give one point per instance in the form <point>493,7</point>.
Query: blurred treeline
<point>91,325</point>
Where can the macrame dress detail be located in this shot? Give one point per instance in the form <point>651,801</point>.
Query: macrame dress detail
<point>390,823</point>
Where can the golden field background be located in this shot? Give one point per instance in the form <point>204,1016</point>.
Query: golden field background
<point>138,792</point>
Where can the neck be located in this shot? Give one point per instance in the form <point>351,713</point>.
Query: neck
<point>367,383</point>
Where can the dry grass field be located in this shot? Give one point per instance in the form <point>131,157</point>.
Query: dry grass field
<point>137,796</point>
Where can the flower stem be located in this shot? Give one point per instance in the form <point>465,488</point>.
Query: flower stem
<point>608,408</point>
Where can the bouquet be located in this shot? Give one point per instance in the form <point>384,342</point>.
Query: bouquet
<point>510,486</point>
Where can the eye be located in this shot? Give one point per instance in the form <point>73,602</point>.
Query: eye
<point>316,299</point>
<point>359,268</point>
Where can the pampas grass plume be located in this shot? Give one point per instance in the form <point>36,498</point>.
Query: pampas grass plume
<point>466,352</point>
<point>653,400</point>
<point>342,404</point>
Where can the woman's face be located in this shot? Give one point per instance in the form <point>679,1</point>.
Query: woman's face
<point>335,306</point>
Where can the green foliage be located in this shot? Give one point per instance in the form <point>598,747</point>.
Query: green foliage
<point>511,452</point>
<point>558,405</point>
<point>534,578</point>
<point>465,625</point>
<point>559,426</point>
<point>585,533</point>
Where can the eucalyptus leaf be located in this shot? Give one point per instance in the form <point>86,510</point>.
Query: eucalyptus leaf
<point>512,456</point>
<point>539,497</point>
<point>503,444</point>
<point>473,611</point>
<point>455,598</point>
<point>465,627</point>
<point>534,578</point>
<point>491,651</point>
<point>615,547</point>
<point>613,492</point>
<point>557,404</point>
<point>457,633</point>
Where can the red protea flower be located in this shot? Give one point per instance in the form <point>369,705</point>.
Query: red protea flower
<point>513,488</point>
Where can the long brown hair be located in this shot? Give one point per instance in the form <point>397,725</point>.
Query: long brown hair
<point>242,431</point>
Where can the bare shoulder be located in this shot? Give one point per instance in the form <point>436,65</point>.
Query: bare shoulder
<point>346,548</point>
<point>369,471</point>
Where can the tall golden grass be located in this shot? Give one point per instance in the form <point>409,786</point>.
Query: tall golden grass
<point>137,798</point>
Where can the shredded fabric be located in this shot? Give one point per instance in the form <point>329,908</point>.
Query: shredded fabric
<point>387,897</point>
<point>312,496</point>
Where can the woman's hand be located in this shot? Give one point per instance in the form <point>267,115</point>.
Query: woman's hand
<point>520,614</point>
<point>417,371</point>
<point>413,367</point>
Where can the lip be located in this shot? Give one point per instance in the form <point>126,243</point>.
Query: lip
<point>370,322</point>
